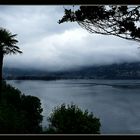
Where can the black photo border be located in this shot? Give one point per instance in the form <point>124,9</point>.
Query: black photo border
<point>67,2</point>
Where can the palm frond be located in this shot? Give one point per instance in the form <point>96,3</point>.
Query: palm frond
<point>8,41</point>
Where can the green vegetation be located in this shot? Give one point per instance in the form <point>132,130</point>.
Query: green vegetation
<point>8,45</point>
<point>19,113</point>
<point>72,120</point>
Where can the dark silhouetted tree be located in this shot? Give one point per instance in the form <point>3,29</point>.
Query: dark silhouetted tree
<point>7,46</point>
<point>71,119</point>
<point>19,113</point>
<point>120,21</point>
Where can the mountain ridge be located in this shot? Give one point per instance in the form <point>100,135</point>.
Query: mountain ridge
<point>113,71</point>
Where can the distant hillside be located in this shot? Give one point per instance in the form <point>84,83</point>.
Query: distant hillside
<point>114,71</point>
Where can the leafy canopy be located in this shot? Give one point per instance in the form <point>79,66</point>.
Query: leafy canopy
<point>120,21</point>
<point>72,120</point>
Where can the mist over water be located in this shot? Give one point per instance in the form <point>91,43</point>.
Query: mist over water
<point>115,102</point>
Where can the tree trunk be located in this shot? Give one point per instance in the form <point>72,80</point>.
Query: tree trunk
<point>1,66</point>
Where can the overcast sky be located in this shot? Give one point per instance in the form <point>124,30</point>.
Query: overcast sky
<point>52,46</point>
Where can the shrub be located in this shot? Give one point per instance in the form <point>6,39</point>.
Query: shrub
<point>72,120</point>
<point>19,113</point>
<point>32,107</point>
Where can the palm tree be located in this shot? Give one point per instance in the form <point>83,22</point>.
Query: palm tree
<point>7,46</point>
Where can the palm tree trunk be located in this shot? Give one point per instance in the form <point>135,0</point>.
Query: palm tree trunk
<point>1,66</point>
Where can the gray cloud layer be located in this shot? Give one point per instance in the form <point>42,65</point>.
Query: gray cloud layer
<point>48,45</point>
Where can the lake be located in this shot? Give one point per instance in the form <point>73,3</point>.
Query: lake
<point>115,102</point>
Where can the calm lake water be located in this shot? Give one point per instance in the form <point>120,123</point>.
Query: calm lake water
<point>115,102</point>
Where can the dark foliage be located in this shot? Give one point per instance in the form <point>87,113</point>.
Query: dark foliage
<point>121,21</point>
<point>19,113</point>
<point>7,46</point>
<point>72,120</point>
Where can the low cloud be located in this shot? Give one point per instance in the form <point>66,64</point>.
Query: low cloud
<point>73,49</point>
<point>51,46</point>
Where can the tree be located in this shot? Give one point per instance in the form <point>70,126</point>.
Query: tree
<point>7,46</point>
<point>120,21</point>
<point>19,113</point>
<point>72,120</point>
<point>32,106</point>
